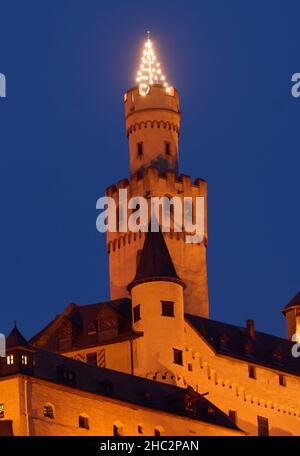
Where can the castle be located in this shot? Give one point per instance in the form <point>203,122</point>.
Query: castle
<point>150,361</point>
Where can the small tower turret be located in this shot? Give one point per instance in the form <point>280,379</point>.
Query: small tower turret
<point>158,312</point>
<point>292,318</point>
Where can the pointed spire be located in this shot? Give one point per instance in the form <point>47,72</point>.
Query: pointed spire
<point>15,338</point>
<point>294,302</point>
<point>150,70</point>
<point>155,262</point>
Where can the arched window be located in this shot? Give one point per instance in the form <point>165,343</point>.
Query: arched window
<point>49,411</point>
<point>83,421</point>
<point>118,429</point>
<point>159,430</point>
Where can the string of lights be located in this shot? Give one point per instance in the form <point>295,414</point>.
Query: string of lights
<point>150,70</point>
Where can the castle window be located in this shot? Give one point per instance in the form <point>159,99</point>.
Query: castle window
<point>167,308</point>
<point>65,375</point>
<point>140,149</point>
<point>118,430</point>
<point>140,429</point>
<point>190,367</point>
<point>252,372</point>
<point>24,360</point>
<point>157,432</point>
<point>232,415</point>
<point>137,313</point>
<point>1,410</point>
<point>48,411</point>
<point>91,358</point>
<point>282,380</point>
<point>168,148</point>
<point>9,360</point>
<point>178,359</point>
<point>92,328</point>
<point>83,422</point>
<point>262,426</point>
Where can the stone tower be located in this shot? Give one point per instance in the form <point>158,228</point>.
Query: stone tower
<point>152,119</point>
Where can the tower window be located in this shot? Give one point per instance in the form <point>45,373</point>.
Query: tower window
<point>262,426</point>
<point>167,308</point>
<point>117,430</point>
<point>190,367</point>
<point>9,360</point>
<point>232,415</point>
<point>24,360</point>
<point>91,358</point>
<point>282,380</point>
<point>83,422</point>
<point>137,313</point>
<point>252,372</point>
<point>168,148</point>
<point>1,410</point>
<point>157,432</point>
<point>140,149</point>
<point>140,429</point>
<point>48,411</point>
<point>177,354</point>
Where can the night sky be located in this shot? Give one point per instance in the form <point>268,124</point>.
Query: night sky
<point>62,142</point>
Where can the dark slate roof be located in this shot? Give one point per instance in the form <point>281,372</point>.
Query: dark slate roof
<point>16,339</point>
<point>81,316</point>
<point>147,393</point>
<point>294,302</point>
<point>229,340</point>
<point>155,261</point>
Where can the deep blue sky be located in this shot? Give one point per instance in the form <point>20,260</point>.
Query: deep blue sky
<point>62,142</point>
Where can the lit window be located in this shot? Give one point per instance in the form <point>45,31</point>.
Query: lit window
<point>232,415</point>
<point>48,411</point>
<point>282,380</point>
<point>24,360</point>
<point>1,410</point>
<point>10,359</point>
<point>177,356</point>
<point>136,313</point>
<point>262,426</point>
<point>167,308</point>
<point>83,422</point>
<point>252,372</point>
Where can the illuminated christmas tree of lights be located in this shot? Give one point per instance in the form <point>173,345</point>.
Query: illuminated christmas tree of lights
<point>150,70</point>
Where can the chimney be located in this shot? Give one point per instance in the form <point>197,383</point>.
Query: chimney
<point>250,330</point>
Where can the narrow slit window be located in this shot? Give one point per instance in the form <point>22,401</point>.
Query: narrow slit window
<point>168,148</point>
<point>140,150</point>
<point>282,380</point>
<point>137,313</point>
<point>252,372</point>
<point>232,415</point>
<point>262,426</point>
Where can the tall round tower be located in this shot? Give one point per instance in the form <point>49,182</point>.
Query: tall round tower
<point>152,117</point>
